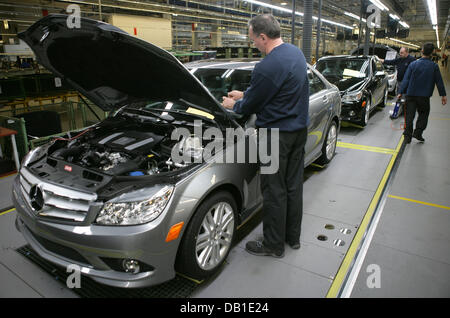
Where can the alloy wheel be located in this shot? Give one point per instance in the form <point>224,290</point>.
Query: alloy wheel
<point>215,236</point>
<point>331,142</point>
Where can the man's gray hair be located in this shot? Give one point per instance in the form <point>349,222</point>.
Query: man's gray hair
<point>405,48</point>
<point>266,24</point>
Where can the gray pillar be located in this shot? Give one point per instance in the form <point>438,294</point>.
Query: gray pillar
<point>293,23</point>
<point>307,29</point>
<point>319,23</point>
<point>367,40</point>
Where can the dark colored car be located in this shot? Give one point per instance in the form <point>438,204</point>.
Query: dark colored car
<point>362,81</point>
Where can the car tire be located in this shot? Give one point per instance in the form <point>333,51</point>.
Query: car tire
<point>329,144</point>
<point>365,114</point>
<point>208,237</point>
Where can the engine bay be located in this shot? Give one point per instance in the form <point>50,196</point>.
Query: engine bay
<point>123,147</point>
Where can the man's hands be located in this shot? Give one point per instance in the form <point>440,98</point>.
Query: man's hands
<point>230,100</point>
<point>236,95</point>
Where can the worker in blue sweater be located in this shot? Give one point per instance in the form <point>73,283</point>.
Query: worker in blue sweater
<point>279,96</point>
<point>418,84</point>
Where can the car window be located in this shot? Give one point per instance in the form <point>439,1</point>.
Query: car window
<point>221,81</point>
<point>315,83</point>
<point>343,68</point>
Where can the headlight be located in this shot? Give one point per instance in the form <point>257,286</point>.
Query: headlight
<point>132,213</point>
<point>35,154</point>
<point>352,97</point>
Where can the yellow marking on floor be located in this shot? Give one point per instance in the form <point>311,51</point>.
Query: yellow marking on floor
<point>352,250</point>
<point>366,148</point>
<point>8,175</point>
<point>348,124</point>
<point>419,202</point>
<point>10,210</point>
<point>438,118</point>
<point>198,282</point>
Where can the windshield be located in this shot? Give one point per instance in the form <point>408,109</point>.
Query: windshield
<point>343,68</point>
<point>221,81</point>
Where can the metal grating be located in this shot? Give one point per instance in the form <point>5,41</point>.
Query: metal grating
<point>179,287</point>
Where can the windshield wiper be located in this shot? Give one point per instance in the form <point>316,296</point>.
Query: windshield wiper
<point>188,114</point>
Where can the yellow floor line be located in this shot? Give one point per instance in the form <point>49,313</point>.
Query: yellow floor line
<point>419,202</point>
<point>437,118</point>
<point>366,148</point>
<point>351,252</point>
<point>10,210</point>
<point>8,175</point>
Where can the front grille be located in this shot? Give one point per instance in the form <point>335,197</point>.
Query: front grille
<point>60,250</point>
<point>56,202</point>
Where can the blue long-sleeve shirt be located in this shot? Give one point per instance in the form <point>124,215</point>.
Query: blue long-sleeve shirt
<point>421,77</point>
<point>402,64</point>
<point>279,90</point>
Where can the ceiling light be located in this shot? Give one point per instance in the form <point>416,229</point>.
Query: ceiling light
<point>271,6</point>
<point>400,41</point>
<point>352,15</point>
<point>393,16</point>
<point>432,10</point>
<point>437,36</point>
<point>380,5</point>
<point>283,3</point>
<point>404,24</point>
<point>5,24</point>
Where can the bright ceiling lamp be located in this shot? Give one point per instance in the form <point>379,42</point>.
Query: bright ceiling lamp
<point>271,6</point>
<point>400,41</point>
<point>380,5</point>
<point>354,16</point>
<point>432,10</point>
<point>437,36</point>
<point>404,24</point>
<point>394,16</point>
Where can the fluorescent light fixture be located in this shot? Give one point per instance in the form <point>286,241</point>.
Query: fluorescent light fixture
<point>400,41</point>
<point>380,5</point>
<point>5,24</point>
<point>437,36</point>
<point>354,16</point>
<point>393,16</point>
<point>404,24</point>
<point>432,10</point>
<point>271,6</point>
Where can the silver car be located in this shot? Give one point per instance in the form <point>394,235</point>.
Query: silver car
<point>111,198</point>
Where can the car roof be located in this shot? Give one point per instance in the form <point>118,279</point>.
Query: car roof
<point>244,63</point>
<point>329,57</point>
<point>234,63</point>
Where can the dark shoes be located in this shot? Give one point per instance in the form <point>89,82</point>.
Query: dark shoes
<point>258,248</point>
<point>407,139</point>
<point>418,137</point>
<point>294,246</point>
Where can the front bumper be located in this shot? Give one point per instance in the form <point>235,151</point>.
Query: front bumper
<point>352,112</point>
<point>99,250</point>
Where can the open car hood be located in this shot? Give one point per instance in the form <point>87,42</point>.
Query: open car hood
<point>112,68</point>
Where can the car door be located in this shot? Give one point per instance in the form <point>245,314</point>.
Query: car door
<point>319,100</point>
<point>381,81</point>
